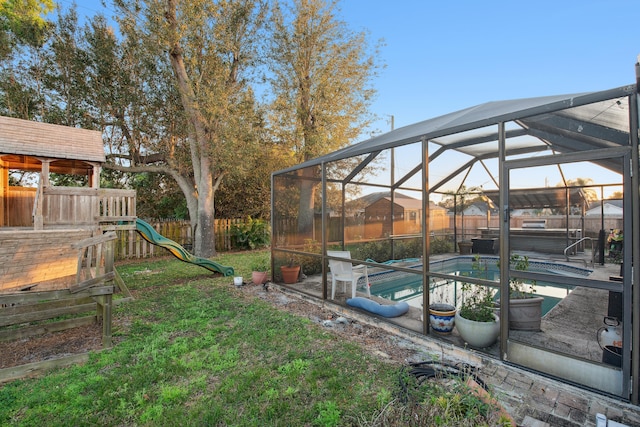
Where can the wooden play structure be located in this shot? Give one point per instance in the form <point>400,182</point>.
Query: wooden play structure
<point>56,243</point>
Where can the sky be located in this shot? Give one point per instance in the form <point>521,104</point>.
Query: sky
<point>444,56</point>
<point>448,55</point>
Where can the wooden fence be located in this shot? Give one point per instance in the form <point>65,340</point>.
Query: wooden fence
<point>131,245</point>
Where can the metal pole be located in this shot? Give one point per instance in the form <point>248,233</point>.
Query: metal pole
<point>393,198</point>
<point>634,114</point>
<point>324,230</point>
<point>567,203</point>
<point>426,233</point>
<point>504,242</point>
<point>274,229</point>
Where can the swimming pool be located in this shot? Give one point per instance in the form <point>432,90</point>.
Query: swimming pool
<point>403,286</point>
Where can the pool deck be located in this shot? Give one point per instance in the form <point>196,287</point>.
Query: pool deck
<point>526,395</point>
<point>586,307</point>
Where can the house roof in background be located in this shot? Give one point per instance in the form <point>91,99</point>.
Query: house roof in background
<point>609,207</point>
<point>612,202</point>
<point>400,199</point>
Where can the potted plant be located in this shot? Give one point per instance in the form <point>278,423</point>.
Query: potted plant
<point>441,312</point>
<point>614,245</point>
<point>442,317</point>
<point>476,321</point>
<point>465,247</point>
<point>525,308</point>
<point>260,269</point>
<point>290,272</point>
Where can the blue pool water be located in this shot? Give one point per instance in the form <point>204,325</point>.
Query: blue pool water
<point>402,286</point>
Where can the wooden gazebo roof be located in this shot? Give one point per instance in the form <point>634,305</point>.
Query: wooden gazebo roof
<point>21,141</point>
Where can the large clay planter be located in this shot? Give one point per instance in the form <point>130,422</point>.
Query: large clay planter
<point>259,277</point>
<point>525,314</point>
<point>465,247</point>
<point>442,317</point>
<point>478,334</point>
<point>290,274</point>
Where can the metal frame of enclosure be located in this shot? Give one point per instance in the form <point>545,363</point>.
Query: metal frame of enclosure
<point>499,147</point>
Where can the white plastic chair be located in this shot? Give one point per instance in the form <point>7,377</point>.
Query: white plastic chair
<point>344,271</point>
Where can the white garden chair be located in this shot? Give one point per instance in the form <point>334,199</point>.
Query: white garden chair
<point>345,271</point>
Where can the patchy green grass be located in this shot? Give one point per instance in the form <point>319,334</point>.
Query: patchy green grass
<point>191,351</point>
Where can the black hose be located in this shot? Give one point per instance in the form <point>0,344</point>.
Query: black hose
<point>431,369</point>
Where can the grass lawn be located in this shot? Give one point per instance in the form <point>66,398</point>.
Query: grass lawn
<point>191,350</point>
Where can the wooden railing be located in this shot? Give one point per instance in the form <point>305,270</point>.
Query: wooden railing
<point>82,300</point>
<point>18,212</point>
<point>116,205</point>
<point>91,291</point>
<point>75,206</point>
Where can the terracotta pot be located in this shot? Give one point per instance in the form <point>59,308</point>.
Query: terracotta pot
<point>478,334</point>
<point>290,274</point>
<point>442,317</point>
<point>259,277</point>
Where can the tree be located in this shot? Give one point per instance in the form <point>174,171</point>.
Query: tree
<point>246,192</point>
<point>63,72</point>
<point>18,98</point>
<point>462,198</point>
<point>22,21</point>
<point>616,195</point>
<point>23,29</point>
<point>48,82</point>
<point>174,95</point>
<point>589,193</point>
<point>209,49</point>
<point>320,77</point>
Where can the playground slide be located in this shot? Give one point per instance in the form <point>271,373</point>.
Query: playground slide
<point>152,236</point>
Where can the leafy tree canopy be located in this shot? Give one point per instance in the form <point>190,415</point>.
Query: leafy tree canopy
<point>22,21</point>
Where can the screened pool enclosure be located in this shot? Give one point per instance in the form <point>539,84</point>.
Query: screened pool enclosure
<point>536,177</point>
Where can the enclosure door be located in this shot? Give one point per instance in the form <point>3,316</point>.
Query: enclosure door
<point>575,361</point>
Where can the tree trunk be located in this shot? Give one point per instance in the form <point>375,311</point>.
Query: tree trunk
<point>205,241</point>
<point>305,211</point>
<point>204,234</point>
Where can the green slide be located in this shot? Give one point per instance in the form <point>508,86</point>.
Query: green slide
<point>152,236</point>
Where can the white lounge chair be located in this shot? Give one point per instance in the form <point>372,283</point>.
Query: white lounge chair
<point>344,271</point>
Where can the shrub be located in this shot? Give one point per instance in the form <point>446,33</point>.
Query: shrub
<point>252,234</point>
<point>440,246</point>
<point>379,251</point>
<point>311,265</point>
<point>408,248</point>
<point>477,304</point>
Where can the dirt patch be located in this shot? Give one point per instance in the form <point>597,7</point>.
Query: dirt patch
<point>376,340</point>
<point>89,338</point>
<point>53,345</point>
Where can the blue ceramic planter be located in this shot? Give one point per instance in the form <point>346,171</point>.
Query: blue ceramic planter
<point>442,318</point>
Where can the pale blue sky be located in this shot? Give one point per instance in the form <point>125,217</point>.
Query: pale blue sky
<point>444,56</point>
